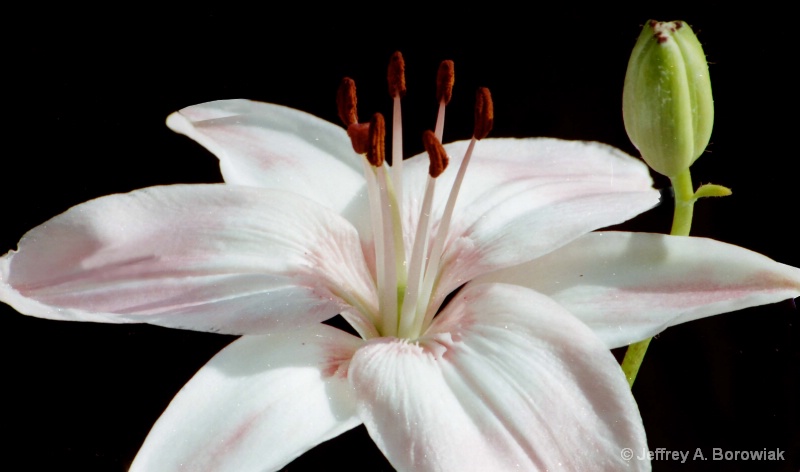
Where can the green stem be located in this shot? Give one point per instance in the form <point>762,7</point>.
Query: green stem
<point>684,204</point>
<point>633,359</point>
<point>681,225</point>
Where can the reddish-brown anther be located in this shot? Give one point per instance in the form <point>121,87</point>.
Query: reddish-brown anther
<point>484,113</point>
<point>436,152</point>
<point>346,102</point>
<point>377,138</point>
<point>359,137</point>
<point>397,75</point>
<point>444,81</point>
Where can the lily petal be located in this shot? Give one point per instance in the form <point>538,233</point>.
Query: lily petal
<point>523,198</point>
<point>631,286</point>
<point>237,260</point>
<point>505,379</point>
<point>272,146</point>
<point>257,405</point>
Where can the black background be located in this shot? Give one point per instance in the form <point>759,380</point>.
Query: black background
<point>87,93</point>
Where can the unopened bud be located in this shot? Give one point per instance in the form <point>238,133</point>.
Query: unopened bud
<point>666,103</point>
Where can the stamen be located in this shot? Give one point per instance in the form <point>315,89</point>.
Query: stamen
<point>376,221</point>
<point>405,286</point>
<point>389,295</point>
<point>359,137</point>
<point>416,267</point>
<point>444,92</point>
<point>385,217</point>
<point>484,113</point>
<point>346,102</point>
<point>436,152</point>
<point>444,82</point>
<point>396,76</point>
<point>431,273</point>
<point>346,105</point>
<point>377,136</point>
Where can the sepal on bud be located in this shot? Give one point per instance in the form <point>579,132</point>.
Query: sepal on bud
<point>712,190</point>
<point>666,103</point>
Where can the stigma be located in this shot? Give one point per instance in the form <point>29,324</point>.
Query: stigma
<point>406,280</point>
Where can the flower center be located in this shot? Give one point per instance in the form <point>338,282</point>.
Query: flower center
<point>406,282</point>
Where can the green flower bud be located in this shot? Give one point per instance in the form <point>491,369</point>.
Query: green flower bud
<point>666,103</point>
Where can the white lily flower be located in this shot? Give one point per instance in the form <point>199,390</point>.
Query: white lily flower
<point>513,373</point>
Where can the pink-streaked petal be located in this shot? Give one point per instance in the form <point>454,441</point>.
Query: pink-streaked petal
<point>499,163</point>
<point>631,286</point>
<point>505,379</point>
<point>523,198</point>
<point>257,405</point>
<point>272,146</point>
<point>237,260</point>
